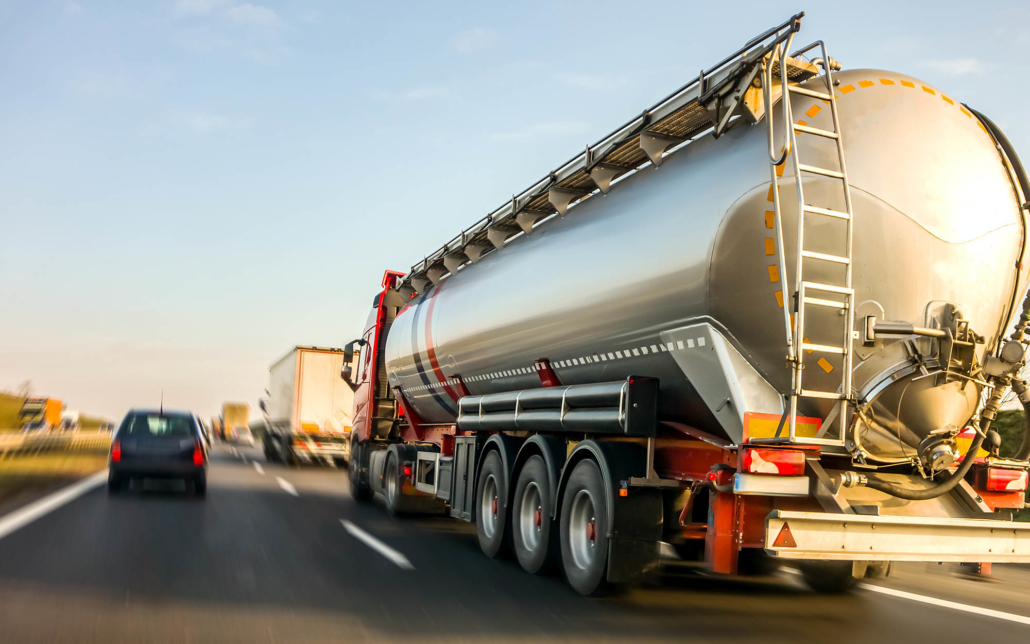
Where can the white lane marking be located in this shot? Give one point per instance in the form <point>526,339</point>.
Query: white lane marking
<point>257,466</point>
<point>944,603</point>
<point>286,485</point>
<point>29,513</point>
<point>378,545</point>
<point>934,601</point>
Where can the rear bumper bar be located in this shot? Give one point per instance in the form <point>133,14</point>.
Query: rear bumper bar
<point>851,537</point>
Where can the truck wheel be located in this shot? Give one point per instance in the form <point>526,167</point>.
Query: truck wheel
<point>584,530</point>
<point>828,576</point>
<point>359,490</point>
<point>754,561</point>
<point>531,516</point>
<point>392,485</point>
<point>492,511</point>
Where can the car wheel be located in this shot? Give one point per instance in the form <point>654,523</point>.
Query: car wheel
<point>584,530</point>
<point>492,510</point>
<point>115,483</point>
<point>200,485</point>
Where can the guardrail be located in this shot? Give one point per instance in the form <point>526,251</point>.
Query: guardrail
<point>16,444</point>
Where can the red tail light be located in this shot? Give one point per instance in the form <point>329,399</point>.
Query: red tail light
<point>783,462</point>
<point>407,470</point>
<point>198,454</point>
<point>116,451</point>
<point>1000,479</point>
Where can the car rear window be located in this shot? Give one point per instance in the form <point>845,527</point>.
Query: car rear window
<point>157,426</point>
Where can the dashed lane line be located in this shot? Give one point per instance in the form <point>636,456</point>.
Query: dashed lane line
<point>286,485</point>
<point>260,470</point>
<point>377,545</point>
<point>29,513</point>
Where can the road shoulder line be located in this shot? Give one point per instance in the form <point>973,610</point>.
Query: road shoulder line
<point>944,603</point>
<point>41,507</point>
<point>377,545</point>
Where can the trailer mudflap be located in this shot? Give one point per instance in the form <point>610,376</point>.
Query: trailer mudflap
<point>854,537</point>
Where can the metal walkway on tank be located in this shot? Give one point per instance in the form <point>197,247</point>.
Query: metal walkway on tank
<point>717,97</point>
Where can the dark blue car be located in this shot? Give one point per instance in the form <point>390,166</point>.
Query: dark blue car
<point>158,445</point>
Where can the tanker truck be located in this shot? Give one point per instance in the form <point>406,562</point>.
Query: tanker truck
<point>714,329</point>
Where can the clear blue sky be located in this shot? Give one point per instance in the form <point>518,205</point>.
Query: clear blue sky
<point>188,188</point>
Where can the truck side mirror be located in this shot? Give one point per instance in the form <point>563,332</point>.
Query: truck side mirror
<point>348,350</point>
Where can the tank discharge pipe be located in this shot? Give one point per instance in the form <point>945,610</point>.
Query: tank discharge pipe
<point>854,479</point>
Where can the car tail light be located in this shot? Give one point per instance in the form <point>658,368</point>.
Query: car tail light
<point>198,454</point>
<point>1002,479</point>
<point>783,462</point>
<point>116,451</point>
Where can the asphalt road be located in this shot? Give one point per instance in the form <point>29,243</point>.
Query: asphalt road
<point>267,557</point>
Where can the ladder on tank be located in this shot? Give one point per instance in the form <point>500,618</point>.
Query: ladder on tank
<point>809,294</point>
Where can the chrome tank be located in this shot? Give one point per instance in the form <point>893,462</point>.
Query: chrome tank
<point>936,222</point>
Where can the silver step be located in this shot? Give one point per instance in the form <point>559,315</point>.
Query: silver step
<point>823,348</point>
<point>812,393</point>
<point>827,212</point>
<point>828,303</point>
<point>836,259</point>
<point>833,174</point>
<point>807,92</point>
<point>814,130</point>
<point>829,288</point>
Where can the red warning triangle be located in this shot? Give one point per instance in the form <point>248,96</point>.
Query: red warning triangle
<point>785,539</point>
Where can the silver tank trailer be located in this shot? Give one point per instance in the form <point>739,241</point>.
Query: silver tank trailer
<point>676,264</point>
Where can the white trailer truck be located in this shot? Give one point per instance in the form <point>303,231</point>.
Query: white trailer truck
<point>308,409</point>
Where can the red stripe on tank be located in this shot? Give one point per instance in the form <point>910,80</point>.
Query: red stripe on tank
<point>430,351</point>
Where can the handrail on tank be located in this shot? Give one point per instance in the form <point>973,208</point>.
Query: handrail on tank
<point>779,51</point>
<point>792,25</point>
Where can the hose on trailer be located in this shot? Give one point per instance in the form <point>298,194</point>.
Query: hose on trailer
<point>988,414</point>
<point>943,488</point>
<point>1024,399</point>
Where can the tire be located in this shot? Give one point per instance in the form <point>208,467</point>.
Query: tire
<point>492,525</point>
<point>754,561</point>
<point>115,483</point>
<point>830,577</point>
<point>392,486</point>
<point>533,533</point>
<point>200,485</point>
<point>584,530</point>
<point>359,490</point>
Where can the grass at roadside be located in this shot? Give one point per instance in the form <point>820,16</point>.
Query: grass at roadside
<point>10,405</point>
<point>53,464</point>
<point>31,476</point>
